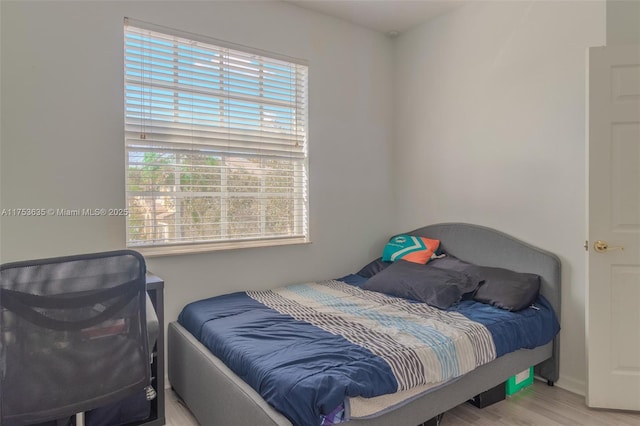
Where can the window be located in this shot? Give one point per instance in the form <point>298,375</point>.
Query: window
<point>216,143</point>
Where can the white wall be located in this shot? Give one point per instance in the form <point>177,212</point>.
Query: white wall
<point>623,22</point>
<point>63,144</point>
<point>490,129</point>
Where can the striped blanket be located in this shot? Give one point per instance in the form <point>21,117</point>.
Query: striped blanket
<point>421,344</point>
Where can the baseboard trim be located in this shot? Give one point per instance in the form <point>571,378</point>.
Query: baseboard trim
<point>572,385</point>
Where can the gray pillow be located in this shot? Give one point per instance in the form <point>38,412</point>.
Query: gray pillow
<point>451,263</point>
<point>507,289</point>
<point>437,287</point>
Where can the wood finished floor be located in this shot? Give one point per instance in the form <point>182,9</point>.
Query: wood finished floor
<point>539,405</point>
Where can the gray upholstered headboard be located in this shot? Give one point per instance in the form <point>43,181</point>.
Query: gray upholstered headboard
<point>488,247</point>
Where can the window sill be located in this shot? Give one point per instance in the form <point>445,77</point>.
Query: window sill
<point>175,250</point>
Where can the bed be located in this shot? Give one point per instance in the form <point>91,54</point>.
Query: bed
<point>216,395</point>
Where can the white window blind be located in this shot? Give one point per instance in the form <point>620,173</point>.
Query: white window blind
<point>216,141</point>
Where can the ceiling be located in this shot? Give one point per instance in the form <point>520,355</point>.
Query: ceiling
<point>390,17</point>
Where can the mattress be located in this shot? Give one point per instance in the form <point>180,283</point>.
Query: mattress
<point>292,345</point>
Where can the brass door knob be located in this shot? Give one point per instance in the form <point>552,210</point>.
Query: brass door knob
<point>602,246</point>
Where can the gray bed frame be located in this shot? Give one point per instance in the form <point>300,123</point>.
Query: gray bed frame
<point>217,396</point>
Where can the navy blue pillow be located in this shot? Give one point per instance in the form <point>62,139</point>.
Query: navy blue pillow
<point>507,289</point>
<point>451,263</point>
<point>373,268</point>
<point>435,286</point>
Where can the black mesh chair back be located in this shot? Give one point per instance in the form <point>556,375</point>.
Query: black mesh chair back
<point>72,335</point>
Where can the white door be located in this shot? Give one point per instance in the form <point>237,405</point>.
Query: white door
<point>613,296</point>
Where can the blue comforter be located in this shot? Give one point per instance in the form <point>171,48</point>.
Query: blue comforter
<point>307,348</point>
